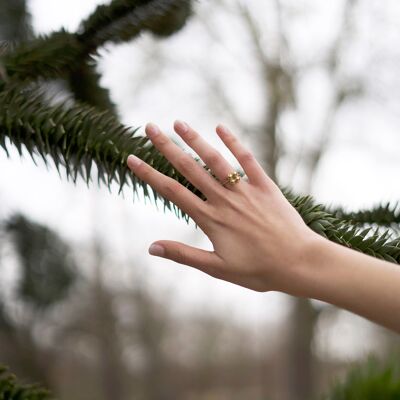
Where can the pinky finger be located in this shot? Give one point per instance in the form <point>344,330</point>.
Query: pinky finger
<point>203,260</point>
<point>250,165</point>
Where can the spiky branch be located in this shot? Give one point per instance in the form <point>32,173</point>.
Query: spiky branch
<point>382,215</point>
<point>55,55</point>
<point>78,137</point>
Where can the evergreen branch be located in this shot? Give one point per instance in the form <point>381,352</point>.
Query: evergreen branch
<point>48,57</point>
<point>84,84</point>
<point>48,270</point>
<point>57,55</point>
<point>383,215</point>
<point>122,20</point>
<point>77,138</point>
<point>10,389</point>
<point>368,241</point>
<point>60,55</point>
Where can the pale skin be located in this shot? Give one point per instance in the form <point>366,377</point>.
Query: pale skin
<point>260,241</point>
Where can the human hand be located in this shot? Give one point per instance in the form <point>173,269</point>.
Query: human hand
<point>260,241</point>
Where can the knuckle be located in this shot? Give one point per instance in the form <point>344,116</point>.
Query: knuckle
<point>172,188</point>
<point>144,171</point>
<point>190,135</point>
<point>230,140</point>
<point>215,271</point>
<point>202,214</point>
<point>214,217</point>
<point>213,158</point>
<point>161,140</point>
<point>181,255</point>
<point>185,163</point>
<point>246,156</point>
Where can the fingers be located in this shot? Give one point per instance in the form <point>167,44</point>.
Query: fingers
<point>206,261</point>
<point>167,187</point>
<point>251,167</point>
<point>211,157</point>
<point>183,162</point>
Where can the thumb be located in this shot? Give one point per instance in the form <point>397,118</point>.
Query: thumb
<point>206,261</point>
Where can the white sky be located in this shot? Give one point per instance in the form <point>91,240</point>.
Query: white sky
<point>361,168</point>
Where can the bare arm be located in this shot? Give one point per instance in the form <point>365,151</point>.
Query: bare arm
<point>260,241</point>
<point>355,281</point>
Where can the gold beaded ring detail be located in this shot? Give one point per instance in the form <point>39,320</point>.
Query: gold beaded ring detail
<point>232,178</point>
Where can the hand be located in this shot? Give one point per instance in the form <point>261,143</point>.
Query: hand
<point>260,241</point>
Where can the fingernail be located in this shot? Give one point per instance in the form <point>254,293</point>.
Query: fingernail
<point>222,128</point>
<point>152,130</point>
<point>181,126</point>
<point>133,161</point>
<point>156,250</point>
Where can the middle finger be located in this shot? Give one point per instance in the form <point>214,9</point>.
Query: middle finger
<point>183,162</point>
<point>212,157</point>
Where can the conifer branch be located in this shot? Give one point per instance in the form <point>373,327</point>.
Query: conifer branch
<point>56,55</point>
<point>78,137</point>
<point>47,57</point>
<point>368,240</point>
<point>122,20</point>
<point>10,389</point>
<point>382,215</point>
<point>84,83</point>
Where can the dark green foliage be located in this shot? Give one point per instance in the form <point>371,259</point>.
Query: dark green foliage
<point>47,57</point>
<point>78,137</point>
<point>56,55</point>
<point>366,240</point>
<point>48,270</point>
<point>382,215</point>
<point>122,20</point>
<point>75,135</point>
<point>370,381</point>
<point>83,82</point>
<point>10,389</point>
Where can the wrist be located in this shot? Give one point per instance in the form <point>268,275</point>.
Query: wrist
<point>308,272</point>
<point>323,272</point>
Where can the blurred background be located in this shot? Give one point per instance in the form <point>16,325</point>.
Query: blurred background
<point>313,89</point>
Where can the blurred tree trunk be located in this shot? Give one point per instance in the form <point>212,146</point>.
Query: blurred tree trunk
<point>280,93</point>
<point>301,366</point>
<point>15,21</point>
<point>109,350</point>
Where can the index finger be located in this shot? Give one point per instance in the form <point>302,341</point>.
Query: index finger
<point>168,188</point>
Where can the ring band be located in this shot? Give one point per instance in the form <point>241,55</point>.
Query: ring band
<point>232,178</point>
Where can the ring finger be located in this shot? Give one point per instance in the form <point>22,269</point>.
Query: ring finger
<point>183,162</point>
<point>211,157</point>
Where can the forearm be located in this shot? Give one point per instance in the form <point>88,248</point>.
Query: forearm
<point>355,281</point>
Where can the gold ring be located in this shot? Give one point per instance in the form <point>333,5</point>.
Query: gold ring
<point>232,178</point>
